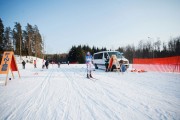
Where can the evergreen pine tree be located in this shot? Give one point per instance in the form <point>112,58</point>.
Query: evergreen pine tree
<point>8,39</point>
<point>1,35</point>
<point>17,36</point>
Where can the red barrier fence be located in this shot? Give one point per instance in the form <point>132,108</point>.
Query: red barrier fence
<point>168,64</point>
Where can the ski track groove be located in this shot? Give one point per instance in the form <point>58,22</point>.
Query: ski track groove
<point>66,94</point>
<point>125,97</point>
<point>77,89</point>
<point>142,94</point>
<point>38,103</point>
<point>32,105</point>
<point>101,106</point>
<point>106,100</point>
<point>100,103</point>
<point>25,95</point>
<point>68,101</point>
<point>129,99</point>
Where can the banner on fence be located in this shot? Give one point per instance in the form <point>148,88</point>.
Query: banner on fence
<point>168,64</point>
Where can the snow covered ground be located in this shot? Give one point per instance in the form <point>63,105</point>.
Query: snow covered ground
<point>66,94</point>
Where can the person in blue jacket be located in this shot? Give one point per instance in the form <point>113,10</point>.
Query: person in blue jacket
<point>122,66</point>
<point>89,64</point>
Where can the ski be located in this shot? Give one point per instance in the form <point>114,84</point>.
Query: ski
<point>93,78</point>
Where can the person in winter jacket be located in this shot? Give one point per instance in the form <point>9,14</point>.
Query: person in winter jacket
<point>47,64</point>
<point>34,63</point>
<point>43,64</point>
<point>107,63</point>
<point>59,64</point>
<point>122,66</point>
<point>68,62</point>
<point>89,64</point>
<point>23,63</point>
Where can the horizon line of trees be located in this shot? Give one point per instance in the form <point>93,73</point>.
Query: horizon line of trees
<point>26,42</point>
<point>145,49</point>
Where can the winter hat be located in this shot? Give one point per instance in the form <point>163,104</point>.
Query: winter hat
<point>88,53</point>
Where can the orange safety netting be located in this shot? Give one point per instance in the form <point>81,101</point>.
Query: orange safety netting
<point>168,64</point>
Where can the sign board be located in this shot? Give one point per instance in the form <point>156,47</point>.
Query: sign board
<point>8,63</point>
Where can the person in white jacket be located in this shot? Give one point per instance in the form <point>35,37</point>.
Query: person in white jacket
<point>89,64</point>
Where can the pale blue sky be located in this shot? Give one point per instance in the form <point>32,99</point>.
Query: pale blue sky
<point>102,23</point>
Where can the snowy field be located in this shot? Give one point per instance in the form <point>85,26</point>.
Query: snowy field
<point>66,94</point>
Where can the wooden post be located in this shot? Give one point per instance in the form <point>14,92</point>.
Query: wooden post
<point>12,74</point>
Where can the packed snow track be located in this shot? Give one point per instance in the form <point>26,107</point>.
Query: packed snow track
<point>66,94</point>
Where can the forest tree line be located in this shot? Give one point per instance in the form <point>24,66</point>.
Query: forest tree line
<point>144,49</point>
<point>26,42</point>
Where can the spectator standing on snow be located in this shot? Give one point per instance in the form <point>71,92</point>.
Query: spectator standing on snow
<point>47,64</point>
<point>52,63</point>
<point>68,62</point>
<point>43,64</point>
<point>122,66</point>
<point>23,64</point>
<point>34,63</point>
<point>59,64</point>
<point>107,63</point>
<point>89,64</point>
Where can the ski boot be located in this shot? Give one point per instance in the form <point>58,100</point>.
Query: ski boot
<point>90,76</point>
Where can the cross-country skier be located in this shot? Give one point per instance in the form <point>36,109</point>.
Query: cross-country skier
<point>89,64</point>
